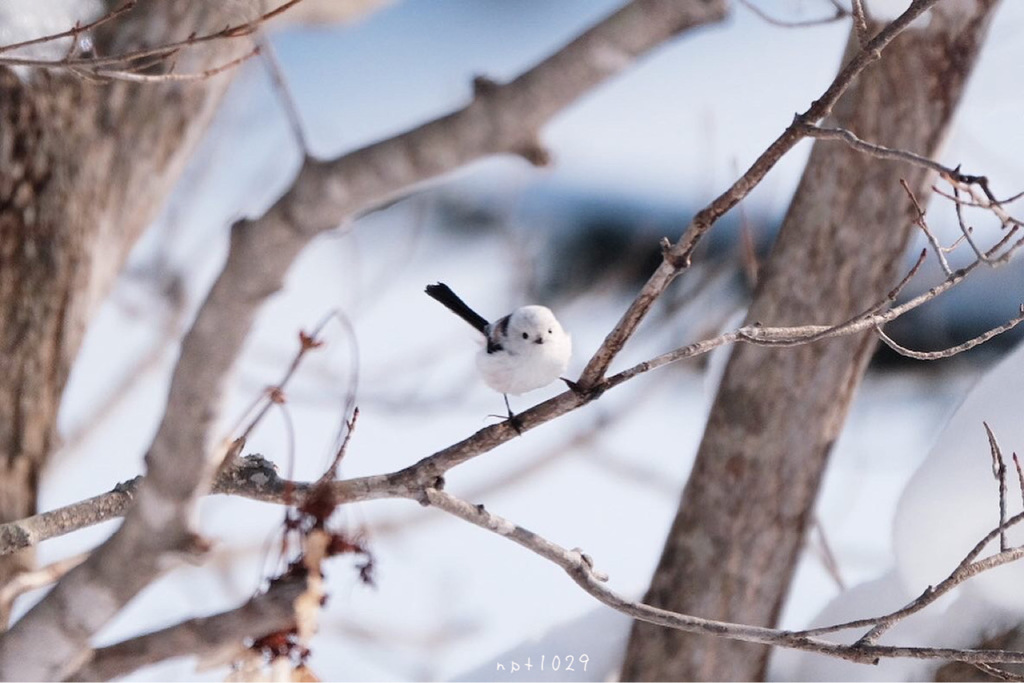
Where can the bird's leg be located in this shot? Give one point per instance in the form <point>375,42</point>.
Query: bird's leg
<point>513,419</point>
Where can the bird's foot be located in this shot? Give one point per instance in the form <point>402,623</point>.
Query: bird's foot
<point>515,423</point>
<point>586,393</point>
<point>513,419</point>
<point>573,386</point>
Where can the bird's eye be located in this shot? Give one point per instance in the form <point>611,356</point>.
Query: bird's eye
<point>550,332</point>
<point>525,335</point>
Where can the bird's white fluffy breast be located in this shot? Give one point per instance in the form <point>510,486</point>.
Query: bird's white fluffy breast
<point>523,365</point>
<point>519,374</point>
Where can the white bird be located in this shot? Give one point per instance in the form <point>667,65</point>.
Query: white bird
<point>526,349</point>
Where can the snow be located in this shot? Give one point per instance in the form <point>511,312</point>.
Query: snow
<point>951,502</point>
<point>869,599</point>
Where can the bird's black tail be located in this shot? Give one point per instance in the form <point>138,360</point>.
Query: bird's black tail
<point>443,293</point>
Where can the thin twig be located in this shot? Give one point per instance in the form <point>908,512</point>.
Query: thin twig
<point>872,149</point>
<point>126,66</point>
<point>965,229</point>
<point>839,14</point>
<point>921,223</point>
<point>953,350</point>
<point>33,530</point>
<point>588,437</point>
<point>275,394</point>
<point>284,93</point>
<point>967,568</point>
<point>31,580</point>
<point>996,672</point>
<point>999,472</point>
<point>259,476</point>
<point>996,207</point>
<point>828,558</point>
<point>990,202</point>
<point>872,317</point>
<point>75,30</point>
<point>164,77</point>
<point>676,256</point>
<point>331,472</point>
<point>955,177</point>
<point>1020,475</point>
<point>985,204</point>
<point>860,21</point>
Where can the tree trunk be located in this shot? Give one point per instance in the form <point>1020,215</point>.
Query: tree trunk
<point>736,538</point>
<point>84,167</point>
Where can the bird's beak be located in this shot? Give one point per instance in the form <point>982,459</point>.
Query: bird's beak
<point>538,340</point>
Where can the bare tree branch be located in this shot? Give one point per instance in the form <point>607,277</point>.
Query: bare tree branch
<point>31,580</point>
<point>37,528</point>
<point>997,673</point>
<point>214,640</point>
<point>954,175</point>
<point>940,253</point>
<point>999,472</point>
<point>860,21</point>
<point>676,257</point>
<point>284,93</point>
<point>580,567</point>
<point>74,32</point>
<point>970,566</point>
<point>128,66</point>
<point>953,350</point>
<point>114,74</point>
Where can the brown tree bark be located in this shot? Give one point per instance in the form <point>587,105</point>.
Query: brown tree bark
<point>84,167</point>
<point>733,546</point>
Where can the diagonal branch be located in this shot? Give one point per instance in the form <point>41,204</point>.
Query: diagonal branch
<point>676,257</point>
<point>31,580</point>
<point>215,639</point>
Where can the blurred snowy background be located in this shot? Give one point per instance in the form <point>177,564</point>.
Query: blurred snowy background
<point>632,162</point>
